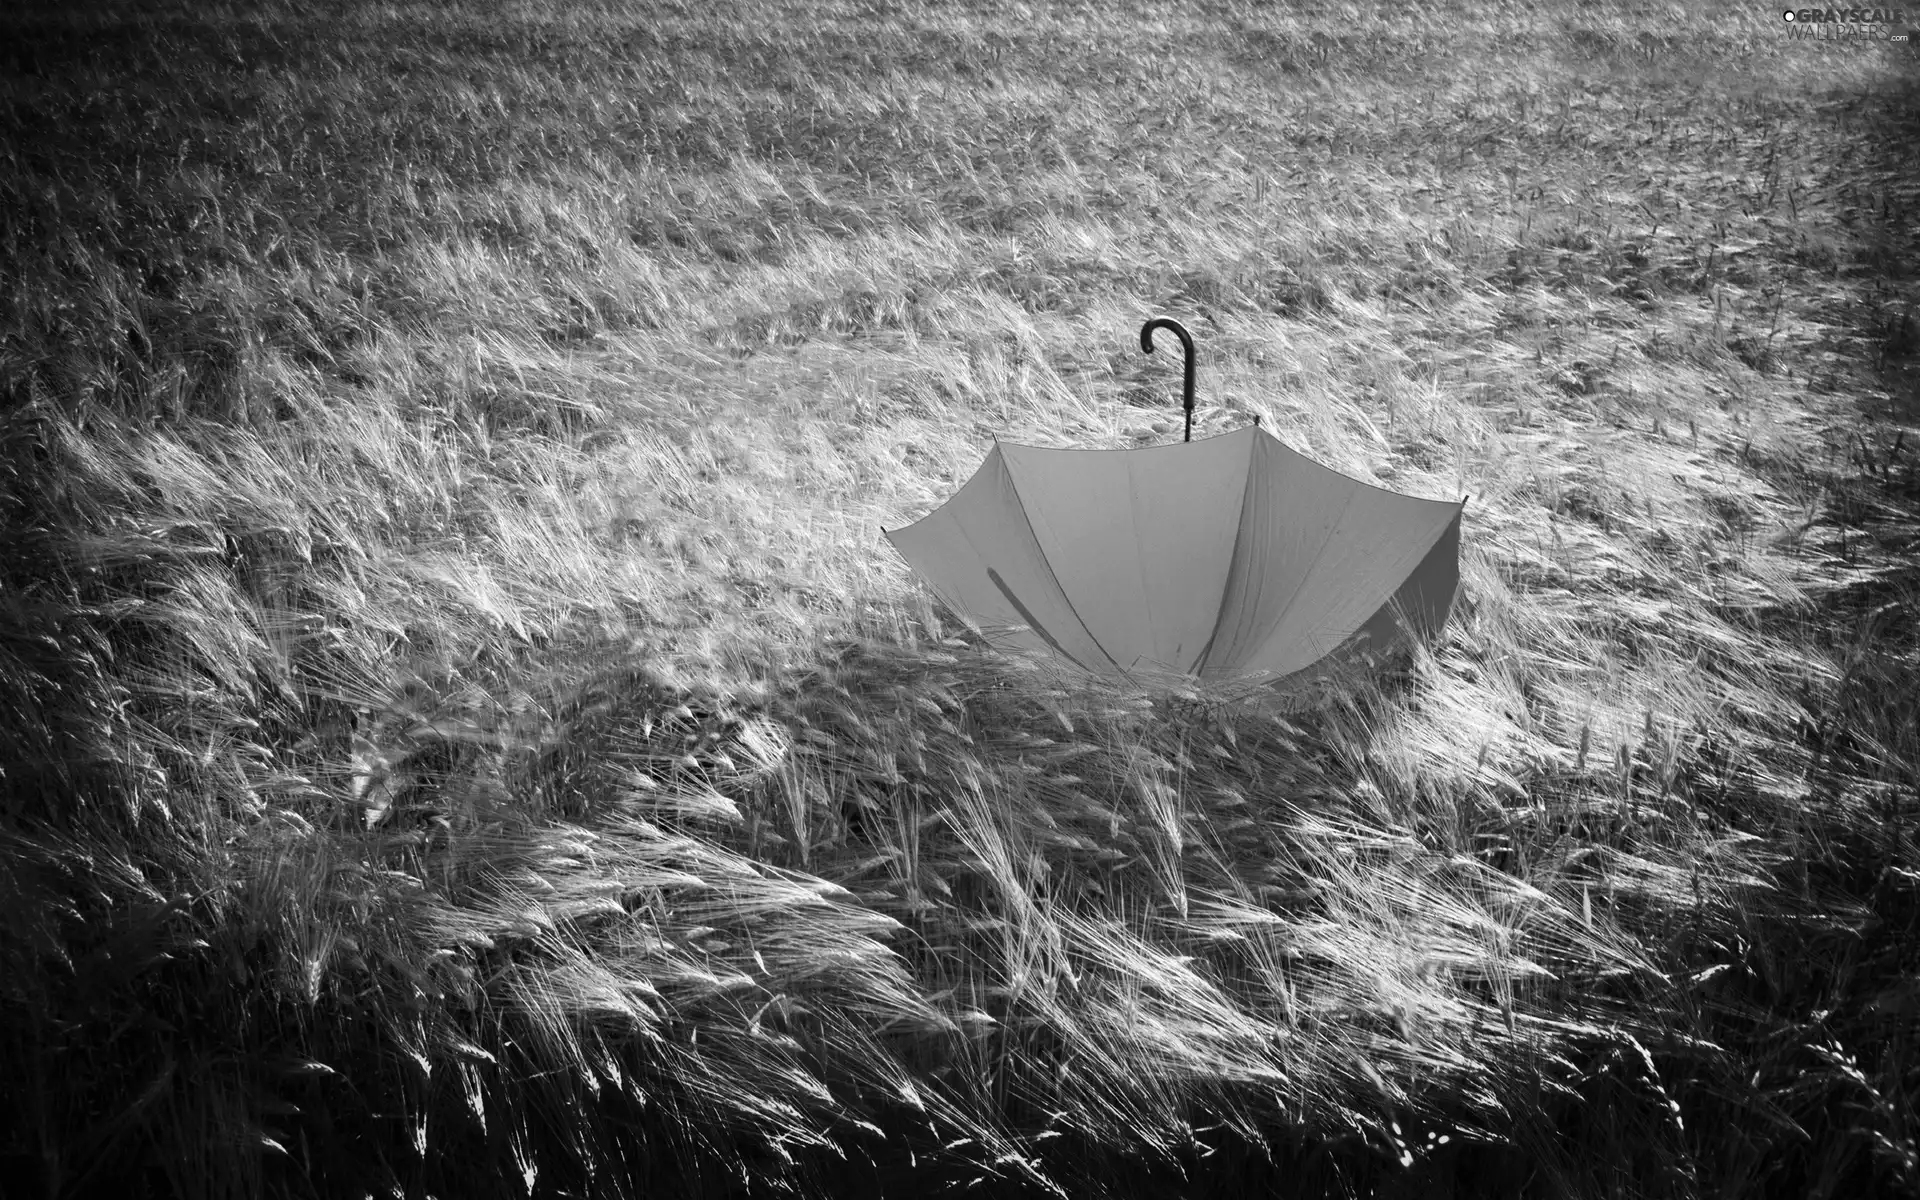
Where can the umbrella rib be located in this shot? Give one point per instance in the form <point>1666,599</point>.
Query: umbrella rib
<point>1306,575</point>
<point>1053,574</point>
<point>1033,622</point>
<point>1139,561</point>
<point>1239,535</point>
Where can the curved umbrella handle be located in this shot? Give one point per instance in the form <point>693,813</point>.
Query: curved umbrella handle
<point>1186,344</point>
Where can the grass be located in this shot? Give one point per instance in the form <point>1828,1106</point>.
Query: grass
<point>469,737</point>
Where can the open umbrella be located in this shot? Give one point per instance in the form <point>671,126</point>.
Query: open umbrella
<point>1233,558</point>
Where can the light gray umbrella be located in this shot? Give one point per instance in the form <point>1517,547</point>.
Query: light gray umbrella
<point>1231,558</point>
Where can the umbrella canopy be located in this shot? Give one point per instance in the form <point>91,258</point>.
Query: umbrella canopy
<point>1230,558</point>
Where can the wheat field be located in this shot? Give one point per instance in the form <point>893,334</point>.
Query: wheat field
<point>466,736</point>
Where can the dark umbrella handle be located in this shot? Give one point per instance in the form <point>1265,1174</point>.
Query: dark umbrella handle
<point>1186,344</point>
